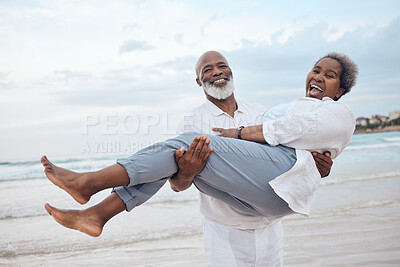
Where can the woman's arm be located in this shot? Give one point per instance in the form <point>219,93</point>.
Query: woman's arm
<point>249,133</point>
<point>255,133</point>
<point>328,127</point>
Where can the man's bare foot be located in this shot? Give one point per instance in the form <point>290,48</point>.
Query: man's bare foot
<point>82,220</point>
<point>73,183</point>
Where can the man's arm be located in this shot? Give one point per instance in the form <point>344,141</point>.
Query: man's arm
<point>190,163</point>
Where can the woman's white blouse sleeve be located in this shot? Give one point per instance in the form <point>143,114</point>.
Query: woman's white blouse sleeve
<point>315,126</point>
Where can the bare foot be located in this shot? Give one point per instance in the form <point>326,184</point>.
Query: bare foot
<point>82,220</point>
<point>72,182</point>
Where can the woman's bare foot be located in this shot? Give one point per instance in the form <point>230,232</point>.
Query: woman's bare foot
<point>72,182</point>
<point>82,220</point>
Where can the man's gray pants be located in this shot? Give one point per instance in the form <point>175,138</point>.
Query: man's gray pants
<point>238,172</point>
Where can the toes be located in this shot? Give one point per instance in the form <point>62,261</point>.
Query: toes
<point>48,169</point>
<point>48,208</point>
<point>48,166</point>
<point>45,162</point>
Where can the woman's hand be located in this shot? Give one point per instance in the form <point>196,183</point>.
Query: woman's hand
<point>324,163</point>
<point>231,133</point>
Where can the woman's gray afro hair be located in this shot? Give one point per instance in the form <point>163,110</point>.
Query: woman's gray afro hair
<point>349,70</point>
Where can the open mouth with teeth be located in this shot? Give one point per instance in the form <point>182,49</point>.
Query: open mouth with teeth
<point>219,81</point>
<point>315,89</point>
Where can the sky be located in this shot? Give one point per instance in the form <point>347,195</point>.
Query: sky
<point>79,77</point>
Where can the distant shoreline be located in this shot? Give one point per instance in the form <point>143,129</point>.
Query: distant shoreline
<point>393,128</point>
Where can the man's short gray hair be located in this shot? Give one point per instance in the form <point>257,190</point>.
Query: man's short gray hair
<point>349,70</point>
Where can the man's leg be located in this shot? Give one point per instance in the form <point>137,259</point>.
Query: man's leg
<point>228,246</point>
<point>269,245</point>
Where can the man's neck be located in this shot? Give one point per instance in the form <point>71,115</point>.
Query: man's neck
<point>228,105</point>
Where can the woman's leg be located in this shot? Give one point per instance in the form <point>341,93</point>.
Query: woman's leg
<point>91,220</point>
<point>81,186</point>
<point>238,172</point>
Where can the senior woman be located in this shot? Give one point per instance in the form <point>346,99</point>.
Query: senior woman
<point>273,176</point>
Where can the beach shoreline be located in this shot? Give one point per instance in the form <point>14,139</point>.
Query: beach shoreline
<point>354,220</point>
<point>395,128</point>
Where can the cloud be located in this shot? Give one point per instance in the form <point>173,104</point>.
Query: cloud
<point>180,64</point>
<point>133,26</point>
<point>130,94</point>
<point>67,75</point>
<point>4,83</point>
<point>3,75</point>
<point>267,73</point>
<point>132,45</point>
<point>179,38</point>
<point>281,67</point>
<point>207,22</point>
<point>152,86</point>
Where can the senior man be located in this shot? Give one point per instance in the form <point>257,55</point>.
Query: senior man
<point>231,237</point>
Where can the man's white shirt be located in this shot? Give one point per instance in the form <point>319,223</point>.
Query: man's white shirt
<point>306,124</point>
<point>202,119</point>
<point>227,242</point>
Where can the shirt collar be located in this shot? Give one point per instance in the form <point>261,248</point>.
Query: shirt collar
<point>326,98</point>
<point>216,111</point>
<point>240,108</point>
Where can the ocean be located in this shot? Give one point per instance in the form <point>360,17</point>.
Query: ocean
<point>355,220</point>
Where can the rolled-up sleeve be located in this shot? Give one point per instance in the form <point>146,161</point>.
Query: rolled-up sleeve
<point>328,127</point>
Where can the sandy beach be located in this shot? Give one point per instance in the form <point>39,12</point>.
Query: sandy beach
<point>355,220</point>
<point>335,235</point>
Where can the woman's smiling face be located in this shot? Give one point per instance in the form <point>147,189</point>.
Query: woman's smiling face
<point>324,80</point>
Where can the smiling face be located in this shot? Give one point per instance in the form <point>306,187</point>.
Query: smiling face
<point>213,68</point>
<point>214,75</point>
<point>324,80</point>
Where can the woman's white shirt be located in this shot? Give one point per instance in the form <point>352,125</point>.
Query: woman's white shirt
<point>306,124</point>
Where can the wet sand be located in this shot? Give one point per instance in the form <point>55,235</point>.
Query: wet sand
<point>342,231</point>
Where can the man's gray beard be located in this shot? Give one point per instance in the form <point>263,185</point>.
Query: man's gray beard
<point>219,93</point>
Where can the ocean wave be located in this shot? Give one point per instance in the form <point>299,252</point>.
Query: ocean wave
<point>30,170</point>
<point>391,139</point>
<point>8,252</point>
<point>360,178</point>
<point>374,146</point>
<point>346,210</point>
<point>28,247</point>
<point>59,161</point>
<point>9,214</point>
<point>172,201</point>
<point>19,214</point>
<point>21,178</point>
<point>35,162</point>
<point>360,206</point>
<point>19,163</point>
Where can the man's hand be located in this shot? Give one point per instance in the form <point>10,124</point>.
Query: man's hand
<point>324,163</point>
<point>231,133</point>
<point>190,163</point>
